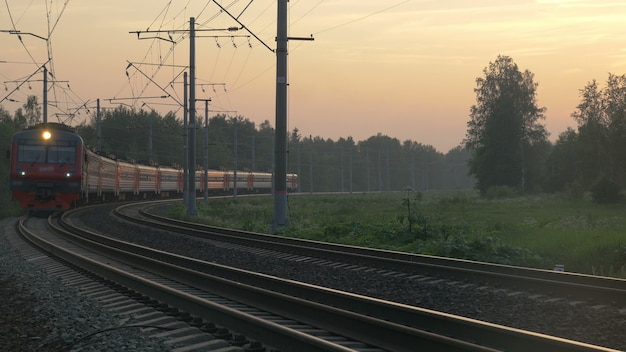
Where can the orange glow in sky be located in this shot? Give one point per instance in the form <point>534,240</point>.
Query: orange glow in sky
<point>405,69</point>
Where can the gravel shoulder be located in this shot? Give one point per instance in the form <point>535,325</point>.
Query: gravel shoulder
<point>39,313</point>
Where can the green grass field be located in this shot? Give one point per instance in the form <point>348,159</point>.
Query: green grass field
<point>539,231</point>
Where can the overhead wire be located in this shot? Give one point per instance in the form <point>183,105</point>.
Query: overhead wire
<point>19,37</point>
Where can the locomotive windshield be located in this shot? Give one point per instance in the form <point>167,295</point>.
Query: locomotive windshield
<point>34,151</point>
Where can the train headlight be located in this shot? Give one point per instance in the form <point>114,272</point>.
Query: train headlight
<point>23,173</point>
<point>46,135</point>
<point>69,173</point>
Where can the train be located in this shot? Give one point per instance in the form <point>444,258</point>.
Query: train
<point>52,169</point>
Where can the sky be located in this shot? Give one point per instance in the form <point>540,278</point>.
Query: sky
<point>406,69</point>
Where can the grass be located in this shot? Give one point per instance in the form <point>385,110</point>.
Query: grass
<point>538,231</point>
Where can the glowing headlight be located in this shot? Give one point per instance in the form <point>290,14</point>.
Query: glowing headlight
<point>23,173</point>
<point>46,135</point>
<point>68,174</point>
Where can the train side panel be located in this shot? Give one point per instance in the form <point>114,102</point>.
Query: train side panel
<point>171,181</point>
<point>127,179</point>
<point>148,180</point>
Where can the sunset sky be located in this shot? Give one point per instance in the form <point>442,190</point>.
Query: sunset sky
<point>405,69</point>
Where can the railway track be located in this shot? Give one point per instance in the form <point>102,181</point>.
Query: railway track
<point>578,288</point>
<point>293,316</point>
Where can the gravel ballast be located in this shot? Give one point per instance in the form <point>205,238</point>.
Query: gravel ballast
<point>39,313</point>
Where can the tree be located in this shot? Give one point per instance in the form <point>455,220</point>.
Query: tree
<point>601,118</point>
<point>504,129</point>
<point>5,116</point>
<point>7,129</point>
<point>32,111</point>
<point>563,166</point>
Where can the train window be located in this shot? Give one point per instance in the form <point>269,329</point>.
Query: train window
<point>33,151</point>
<point>31,154</point>
<point>61,155</point>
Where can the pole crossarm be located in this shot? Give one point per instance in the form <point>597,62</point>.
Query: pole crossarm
<point>111,100</point>
<point>243,26</point>
<point>173,31</point>
<point>20,33</point>
<point>302,38</point>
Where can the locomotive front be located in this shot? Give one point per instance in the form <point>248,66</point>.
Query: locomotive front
<point>46,167</point>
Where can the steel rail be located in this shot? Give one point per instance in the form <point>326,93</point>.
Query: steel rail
<point>282,337</point>
<point>483,334</point>
<point>600,289</point>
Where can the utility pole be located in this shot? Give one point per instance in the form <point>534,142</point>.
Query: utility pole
<point>280,137</point>
<point>150,144</point>
<point>189,186</point>
<point>235,156</point>
<point>311,163</point>
<point>185,142</point>
<point>206,149</point>
<point>45,94</point>
<point>98,127</point>
<point>191,198</point>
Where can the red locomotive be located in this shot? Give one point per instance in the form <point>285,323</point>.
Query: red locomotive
<point>51,169</point>
<point>46,167</point>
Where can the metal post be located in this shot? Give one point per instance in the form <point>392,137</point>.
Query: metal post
<point>280,138</point>
<point>45,94</point>
<point>191,198</point>
<point>185,142</point>
<point>98,127</point>
<point>206,151</point>
<point>236,161</point>
<point>311,163</point>
<point>150,145</point>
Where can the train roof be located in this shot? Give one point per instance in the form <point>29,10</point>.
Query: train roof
<point>52,126</point>
<point>65,131</point>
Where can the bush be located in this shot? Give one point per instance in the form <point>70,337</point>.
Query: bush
<point>605,191</point>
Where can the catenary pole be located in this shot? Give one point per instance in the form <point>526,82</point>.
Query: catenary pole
<point>191,198</point>
<point>185,141</point>
<point>280,136</point>
<point>98,127</point>
<point>45,94</point>
<point>206,152</point>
